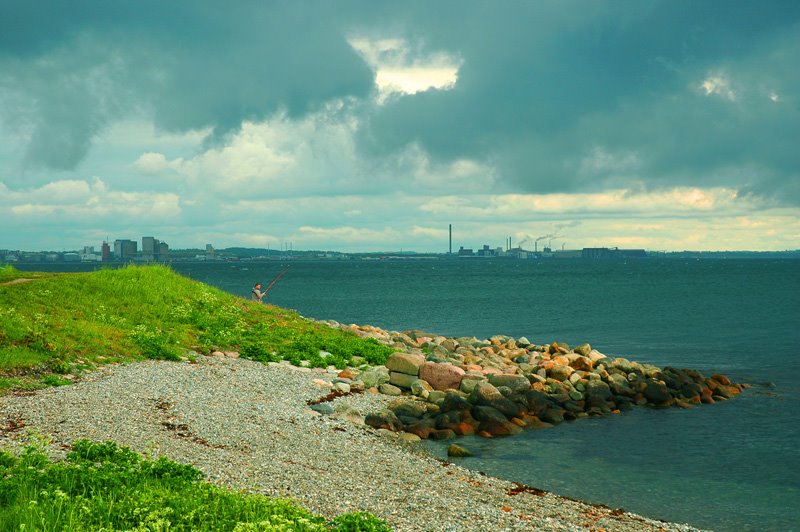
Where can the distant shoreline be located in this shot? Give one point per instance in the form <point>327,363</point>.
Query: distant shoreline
<point>374,257</point>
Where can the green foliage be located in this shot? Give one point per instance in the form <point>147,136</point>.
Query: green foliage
<point>359,522</point>
<point>8,273</point>
<point>65,322</point>
<point>104,486</point>
<point>154,343</point>
<point>54,380</point>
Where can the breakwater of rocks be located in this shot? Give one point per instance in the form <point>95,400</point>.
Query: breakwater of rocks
<point>447,387</point>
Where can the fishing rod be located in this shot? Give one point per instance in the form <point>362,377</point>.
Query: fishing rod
<point>275,280</point>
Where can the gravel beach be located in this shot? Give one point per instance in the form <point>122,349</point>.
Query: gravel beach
<point>248,426</point>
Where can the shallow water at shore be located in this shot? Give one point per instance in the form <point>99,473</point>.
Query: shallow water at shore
<point>729,466</point>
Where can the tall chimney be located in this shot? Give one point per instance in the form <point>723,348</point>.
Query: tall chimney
<point>451,240</point>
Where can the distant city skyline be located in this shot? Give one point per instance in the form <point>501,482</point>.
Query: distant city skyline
<point>373,125</point>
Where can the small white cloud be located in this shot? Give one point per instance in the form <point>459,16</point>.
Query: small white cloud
<point>720,85</point>
<point>151,163</point>
<point>774,96</point>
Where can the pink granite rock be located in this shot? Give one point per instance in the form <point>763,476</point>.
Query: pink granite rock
<point>441,376</point>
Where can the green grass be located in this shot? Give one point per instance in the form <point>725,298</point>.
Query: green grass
<point>60,323</point>
<point>66,323</point>
<point>101,486</point>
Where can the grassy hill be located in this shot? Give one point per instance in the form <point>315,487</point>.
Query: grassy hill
<point>54,326</point>
<point>57,325</point>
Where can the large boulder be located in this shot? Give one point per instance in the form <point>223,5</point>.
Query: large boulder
<point>390,389</point>
<point>469,381</point>
<point>657,393</point>
<point>538,401</point>
<point>441,376</point>
<point>580,362</point>
<point>408,363</point>
<point>552,415</point>
<point>485,394</point>
<point>596,356</point>
<point>454,402</point>
<point>383,419</point>
<point>422,427</point>
<point>597,393</point>
<point>517,383</point>
<point>374,377</point>
<point>403,380</point>
<point>448,420</point>
<point>421,388</point>
<point>415,409</point>
<point>560,373</point>
<point>494,422</point>
<point>449,344</point>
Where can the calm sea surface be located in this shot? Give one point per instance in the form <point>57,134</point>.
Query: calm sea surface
<point>729,466</point>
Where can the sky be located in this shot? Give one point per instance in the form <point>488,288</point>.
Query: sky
<point>362,126</point>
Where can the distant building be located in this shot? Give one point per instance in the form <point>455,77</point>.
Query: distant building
<point>465,252</point>
<point>106,252</point>
<point>163,251</point>
<point>612,253</point>
<point>125,249</point>
<point>568,254</point>
<point>486,251</point>
<point>149,249</point>
<point>88,255</point>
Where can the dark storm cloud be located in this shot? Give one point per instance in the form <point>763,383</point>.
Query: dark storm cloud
<point>557,95</point>
<point>542,85</point>
<point>194,65</point>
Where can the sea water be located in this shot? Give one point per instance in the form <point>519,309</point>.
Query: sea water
<point>733,465</point>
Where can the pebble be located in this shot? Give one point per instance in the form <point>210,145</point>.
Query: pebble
<point>248,426</point>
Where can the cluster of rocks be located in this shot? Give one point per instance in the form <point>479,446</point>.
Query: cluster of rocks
<point>499,386</point>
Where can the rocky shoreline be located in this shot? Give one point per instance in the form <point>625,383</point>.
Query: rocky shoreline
<point>309,435</point>
<point>448,387</point>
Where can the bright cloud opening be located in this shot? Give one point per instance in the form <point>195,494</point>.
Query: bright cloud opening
<point>398,73</point>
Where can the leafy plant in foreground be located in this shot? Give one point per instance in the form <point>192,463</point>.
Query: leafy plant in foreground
<point>105,486</point>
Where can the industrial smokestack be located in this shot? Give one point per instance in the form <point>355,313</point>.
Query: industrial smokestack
<point>451,240</point>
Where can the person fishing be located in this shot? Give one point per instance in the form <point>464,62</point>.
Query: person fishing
<point>258,295</point>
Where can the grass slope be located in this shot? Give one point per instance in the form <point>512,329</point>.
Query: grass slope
<point>57,325</point>
<point>54,324</point>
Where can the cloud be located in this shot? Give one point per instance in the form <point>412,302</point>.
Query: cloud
<point>718,84</point>
<point>151,163</point>
<point>676,201</point>
<point>66,78</point>
<point>396,118</point>
<point>398,73</point>
<point>73,201</point>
